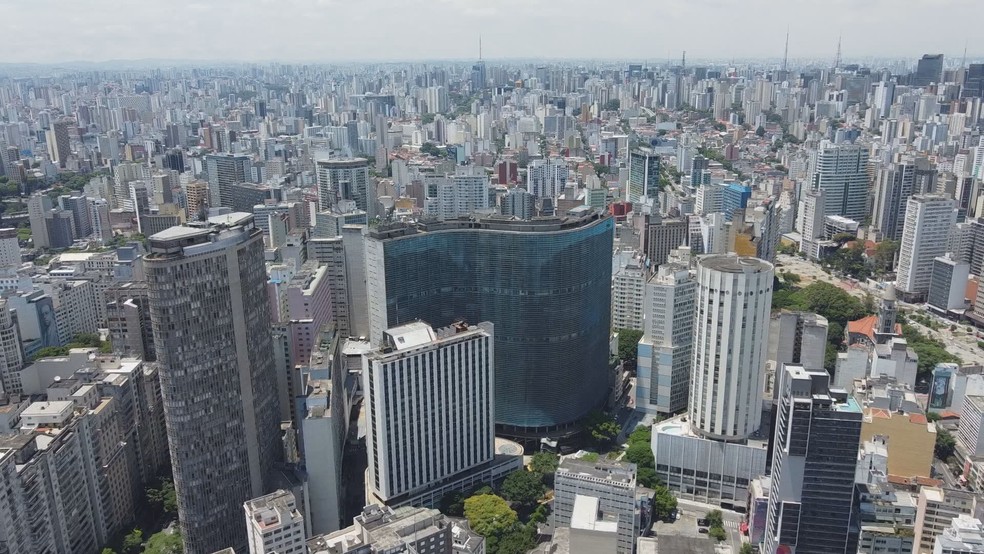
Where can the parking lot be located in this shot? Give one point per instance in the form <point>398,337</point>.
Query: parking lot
<point>685,527</point>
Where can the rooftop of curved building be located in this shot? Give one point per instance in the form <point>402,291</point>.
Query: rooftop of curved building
<point>732,263</point>
<point>575,219</point>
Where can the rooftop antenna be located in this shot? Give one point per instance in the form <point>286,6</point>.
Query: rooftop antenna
<point>479,47</point>
<point>837,61</point>
<point>785,53</point>
<point>683,62</point>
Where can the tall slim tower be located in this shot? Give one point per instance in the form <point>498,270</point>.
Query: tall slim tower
<point>813,464</point>
<point>929,220</point>
<point>210,314</point>
<point>731,325</point>
<point>842,174</point>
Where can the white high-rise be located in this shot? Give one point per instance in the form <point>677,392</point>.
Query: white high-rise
<point>430,405</point>
<point>628,290</point>
<point>455,196</point>
<point>733,300</point>
<point>274,525</point>
<point>812,216</point>
<point>842,174</point>
<point>546,178</point>
<point>929,219</point>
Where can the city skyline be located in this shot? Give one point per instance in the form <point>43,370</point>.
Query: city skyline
<point>308,30</point>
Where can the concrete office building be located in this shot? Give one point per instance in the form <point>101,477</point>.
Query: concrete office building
<point>964,536</point>
<point>430,400</point>
<point>814,459</point>
<point>11,351</point>
<point>211,321</point>
<point>812,216</point>
<point>797,338</point>
<point>948,284</point>
<point>732,305</point>
<point>665,350</point>
<point>929,219</point>
<point>59,147</point>
<point>274,525</point>
<point>612,484</point>
<point>661,236</point>
<point>546,286</point>
<point>406,529</point>
<point>222,170</point>
<point>38,207</point>
<point>344,179</point>
<point>842,174</point>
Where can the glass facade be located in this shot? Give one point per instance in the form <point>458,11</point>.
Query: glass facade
<point>548,293</point>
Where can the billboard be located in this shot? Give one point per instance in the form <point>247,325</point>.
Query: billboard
<point>939,394</point>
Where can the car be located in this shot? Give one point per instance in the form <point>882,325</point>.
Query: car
<point>703,522</point>
<point>703,530</point>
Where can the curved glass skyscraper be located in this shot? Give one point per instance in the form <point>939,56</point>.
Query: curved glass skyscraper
<point>545,284</point>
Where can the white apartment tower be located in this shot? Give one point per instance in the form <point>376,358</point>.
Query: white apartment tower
<point>731,325</point>
<point>274,525</point>
<point>665,351</point>
<point>929,219</point>
<point>546,178</point>
<point>628,290</point>
<point>430,395</point>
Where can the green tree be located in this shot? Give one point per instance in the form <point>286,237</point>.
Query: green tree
<point>518,539</point>
<point>453,504</point>
<point>746,548</point>
<point>51,351</point>
<point>544,463</point>
<point>643,434</point>
<point>714,518</point>
<point>945,445</point>
<point>87,339</point>
<point>717,533</point>
<point>885,251</point>
<point>602,428</point>
<point>628,346</point>
<point>430,148</point>
<point>489,514</point>
<point>522,486</point>
<point>601,169</point>
<point>132,541</point>
<point>427,118</point>
<point>760,131</point>
<point>613,105</point>
<point>108,551</point>
<point>663,501</point>
<point>164,498</point>
<point>164,543</point>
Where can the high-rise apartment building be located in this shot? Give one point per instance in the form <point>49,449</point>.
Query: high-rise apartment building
<point>344,179</point>
<point>935,510</point>
<point>211,321</point>
<point>842,174</point>
<point>453,196</point>
<point>518,202</point>
<point>223,170</point>
<point>612,484</point>
<point>733,300</point>
<point>59,147</point>
<point>929,220</point>
<point>665,351</point>
<point>38,207</point>
<point>430,406</point>
<point>815,453</point>
<point>546,178</point>
<point>545,285</point>
<point>644,167</point>
<point>812,215</point>
<point>893,187</point>
<point>628,290</point>
<point>274,525</point>
<point>11,351</point>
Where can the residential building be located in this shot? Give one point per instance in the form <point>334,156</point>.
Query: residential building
<point>935,512</point>
<point>11,351</point>
<point>453,196</point>
<point>222,170</point>
<point>274,525</point>
<point>964,536</point>
<point>545,284</point>
<point>518,202</point>
<point>815,453</point>
<point>628,290</point>
<point>611,486</point>
<point>948,284</point>
<point>813,215</point>
<point>929,219</point>
<point>344,179</point>
<point>430,406</point>
<point>546,178</point>
<point>841,172</point>
<point>796,338</point>
<point>643,187</point>
<point>665,351</point>
<point>210,315</point>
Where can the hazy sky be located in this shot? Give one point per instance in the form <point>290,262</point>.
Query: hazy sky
<point>339,30</point>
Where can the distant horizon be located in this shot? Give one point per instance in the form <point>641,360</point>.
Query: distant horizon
<point>381,31</point>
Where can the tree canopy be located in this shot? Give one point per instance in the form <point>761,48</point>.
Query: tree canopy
<point>164,543</point>
<point>489,515</point>
<point>628,346</point>
<point>522,486</point>
<point>602,428</point>
<point>544,463</point>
